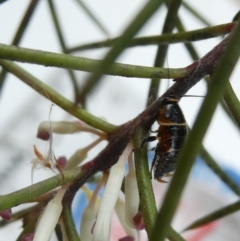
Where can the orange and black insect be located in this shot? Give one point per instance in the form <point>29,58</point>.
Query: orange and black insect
<point>170,135</point>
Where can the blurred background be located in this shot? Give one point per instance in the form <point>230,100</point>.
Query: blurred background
<point>116,99</point>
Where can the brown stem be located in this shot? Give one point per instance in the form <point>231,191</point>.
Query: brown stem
<point>119,139</point>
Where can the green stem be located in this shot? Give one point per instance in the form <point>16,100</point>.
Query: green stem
<point>193,53</point>
<point>163,39</point>
<point>58,231</point>
<point>189,46</point>
<point>93,17</point>
<point>20,31</point>
<point>56,98</point>
<point>194,140</point>
<point>220,213</point>
<point>232,103</point>
<point>84,64</point>
<point>196,14</point>
<point>174,236</point>
<point>147,200</point>
<point>212,164</point>
<point>69,223</point>
<point>168,26</point>
<point>29,193</point>
<point>208,159</point>
<point>146,12</point>
<point>63,44</point>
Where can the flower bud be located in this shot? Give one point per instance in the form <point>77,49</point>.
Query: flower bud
<point>61,161</point>
<point>127,238</point>
<point>80,155</point>
<point>139,221</point>
<point>6,215</point>
<point>27,237</point>
<point>64,127</point>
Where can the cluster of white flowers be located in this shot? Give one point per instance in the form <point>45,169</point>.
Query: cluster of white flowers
<point>96,219</point>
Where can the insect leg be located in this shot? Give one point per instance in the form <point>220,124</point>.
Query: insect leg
<point>153,131</point>
<point>148,139</point>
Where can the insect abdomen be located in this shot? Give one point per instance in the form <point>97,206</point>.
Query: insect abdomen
<point>171,135</point>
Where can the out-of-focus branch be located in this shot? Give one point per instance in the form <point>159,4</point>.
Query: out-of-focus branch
<point>163,39</point>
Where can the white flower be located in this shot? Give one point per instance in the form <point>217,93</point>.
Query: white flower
<point>49,218</point>
<point>80,155</point>
<point>131,194</point>
<point>90,213</point>
<point>64,127</point>
<point>119,208</point>
<point>101,230</point>
<point>88,219</point>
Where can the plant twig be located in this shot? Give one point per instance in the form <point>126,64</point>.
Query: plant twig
<point>69,223</point>
<point>63,45</point>
<point>163,39</point>
<point>169,24</point>
<point>196,14</point>
<point>84,64</point>
<point>232,102</point>
<point>93,17</point>
<point>56,98</point>
<point>21,29</point>
<point>213,165</point>
<point>220,213</point>
<point>145,13</point>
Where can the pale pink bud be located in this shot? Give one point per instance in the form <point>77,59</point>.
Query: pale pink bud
<point>6,215</point>
<point>63,127</point>
<point>44,135</point>
<point>139,221</point>
<point>127,238</point>
<point>61,161</point>
<point>27,237</point>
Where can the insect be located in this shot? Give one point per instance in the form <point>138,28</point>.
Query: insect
<point>170,135</point>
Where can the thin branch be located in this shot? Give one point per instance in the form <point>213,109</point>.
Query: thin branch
<point>146,12</point>
<point>84,64</point>
<point>147,200</point>
<point>208,159</point>
<point>196,14</point>
<point>220,213</point>
<point>56,98</point>
<point>213,165</point>
<point>20,31</point>
<point>93,17</point>
<point>63,44</point>
<point>163,39</point>
<point>232,102</point>
<point>29,193</point>
<point>169,24</point>
<point>69,223</point>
